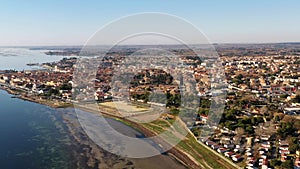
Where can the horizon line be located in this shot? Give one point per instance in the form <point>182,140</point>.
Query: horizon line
<point>213,43</point>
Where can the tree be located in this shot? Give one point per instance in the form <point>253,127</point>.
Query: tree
<point>275,162</point>
<point>175,111</point>
<point>229,116</point>
<point>205,103</point>
<point>253,120</point>
<point>250,129</point>
<point>277,118</point>
<point>203,112</point>
<point>286,129</point>
<point>293,148</point>
<point>240,77</point>
<point>288,164</point>
<point>65,86</point>
<point>259,119</point>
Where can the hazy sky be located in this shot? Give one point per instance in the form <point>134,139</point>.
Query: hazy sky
<point>62,22</point>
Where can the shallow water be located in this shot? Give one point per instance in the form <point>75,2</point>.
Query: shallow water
<point>17,58</point>
<point>31,136</point>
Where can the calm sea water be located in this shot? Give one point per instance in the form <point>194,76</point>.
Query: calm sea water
<point>31,136</point>
<point>17,58</point>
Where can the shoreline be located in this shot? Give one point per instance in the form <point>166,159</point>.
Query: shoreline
<point>20,95</point>
<point>174,153</point>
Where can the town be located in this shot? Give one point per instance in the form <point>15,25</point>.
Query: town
<point>260,126</point>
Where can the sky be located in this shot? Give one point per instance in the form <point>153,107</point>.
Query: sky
<point>73,22</point>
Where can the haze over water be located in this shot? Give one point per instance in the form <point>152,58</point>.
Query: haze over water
<point>17,58</point>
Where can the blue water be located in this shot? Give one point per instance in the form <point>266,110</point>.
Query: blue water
<point>31,136</point>
<point>17,58</point>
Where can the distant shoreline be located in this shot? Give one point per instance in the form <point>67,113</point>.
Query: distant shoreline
<point>55,47</point>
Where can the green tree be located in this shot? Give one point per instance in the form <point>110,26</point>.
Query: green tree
<point>250,129</point>
<point>65,86</point>
<point>275,162</point>
<point>288,164</point>
<point>175,111</point>
<point>297,99</point>
<point>276,118</point>
<point>293,148</point>
<point>286,129</point>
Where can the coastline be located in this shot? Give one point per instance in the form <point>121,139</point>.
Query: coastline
<point>21,95</point>
<point>175,153</point>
